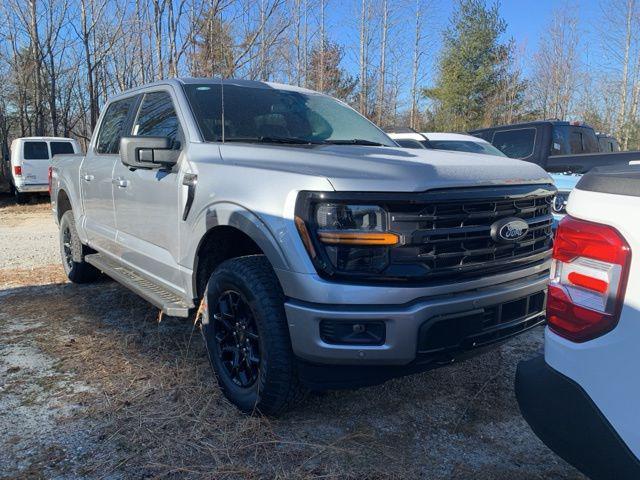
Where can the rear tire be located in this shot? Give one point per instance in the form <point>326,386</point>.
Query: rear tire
<point>73,251</point>
<point>21,198</point>
<point>247,337</point>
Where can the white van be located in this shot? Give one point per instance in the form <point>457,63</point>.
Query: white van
<point>30,158</point>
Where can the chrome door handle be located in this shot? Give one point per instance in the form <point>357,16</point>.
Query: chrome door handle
<point>120,182</point>
<point>88,177</point>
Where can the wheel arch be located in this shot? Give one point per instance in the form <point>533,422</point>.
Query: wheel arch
<point>231,231</point>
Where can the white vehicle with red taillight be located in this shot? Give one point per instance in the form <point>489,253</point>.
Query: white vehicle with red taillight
<point>30,158</point>
<point>582,398</point>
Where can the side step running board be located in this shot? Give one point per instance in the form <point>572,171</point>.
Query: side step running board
<point>168,302</point>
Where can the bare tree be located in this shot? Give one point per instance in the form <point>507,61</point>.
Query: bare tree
<point>556,68</point>
<point>415,67</point>
<point>384,29</point>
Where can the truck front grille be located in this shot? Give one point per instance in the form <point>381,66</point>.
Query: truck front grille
<point>447,234</point>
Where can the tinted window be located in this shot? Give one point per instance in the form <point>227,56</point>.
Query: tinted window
<point>608,144</point>
<point>575,142</point>
<point>516,143</point>
<point>573,139</point>
<point>58,148</point>
<point>605,144</point>
<point>252,114</point>
<point>36,151</point>
<point>466,146</point>
<point>112,125</point>
<point>157,118</point>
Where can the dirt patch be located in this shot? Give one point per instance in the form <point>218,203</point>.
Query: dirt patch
<point>93,386</point>
<point>28,234</point>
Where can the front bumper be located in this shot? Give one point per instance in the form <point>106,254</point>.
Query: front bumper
<point>453,318</point>
<point>565,418</point>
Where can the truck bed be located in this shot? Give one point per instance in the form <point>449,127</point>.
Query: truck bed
<point>584,162</point>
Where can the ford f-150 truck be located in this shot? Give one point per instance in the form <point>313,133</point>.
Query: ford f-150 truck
<point>317,252</point>
<point>555,145</point>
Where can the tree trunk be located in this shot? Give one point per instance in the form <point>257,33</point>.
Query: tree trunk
<point>383,54</point>
<point>413,117</point>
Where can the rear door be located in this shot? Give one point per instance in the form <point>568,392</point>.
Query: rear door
<point>96,174</point>
<point>35,162</point>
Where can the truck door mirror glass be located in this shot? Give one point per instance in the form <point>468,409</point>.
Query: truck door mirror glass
<point>148,152</point>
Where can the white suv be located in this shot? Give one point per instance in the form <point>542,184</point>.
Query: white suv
<point>581,399</point>
<point>458,142</point>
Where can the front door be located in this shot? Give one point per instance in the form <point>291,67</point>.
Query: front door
<point>96,175</point>
<point>147,201</point>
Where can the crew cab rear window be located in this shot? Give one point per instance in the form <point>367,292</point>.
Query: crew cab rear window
<point>112,126</point>
<point>516,143</point>
<point>61,148</point>
<point>157,118</point>
<point>36,151</point>
<point>572,140</point>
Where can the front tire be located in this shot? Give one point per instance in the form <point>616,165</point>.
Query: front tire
<point>73,251</point>
<point>247,338</point>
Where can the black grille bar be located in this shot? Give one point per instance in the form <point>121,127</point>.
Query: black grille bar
<point>451,238</point>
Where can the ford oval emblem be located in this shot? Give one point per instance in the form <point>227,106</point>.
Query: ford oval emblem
<point>509,230</point>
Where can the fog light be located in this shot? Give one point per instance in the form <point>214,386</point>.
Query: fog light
<point>340,332</point>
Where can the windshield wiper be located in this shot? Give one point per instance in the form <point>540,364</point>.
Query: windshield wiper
<point>355,141</point>
<point>283,140</point>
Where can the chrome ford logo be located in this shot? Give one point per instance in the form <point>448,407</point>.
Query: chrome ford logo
<point>509,230</point>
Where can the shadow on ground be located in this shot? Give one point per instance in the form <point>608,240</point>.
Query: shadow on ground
<point>136,398</point>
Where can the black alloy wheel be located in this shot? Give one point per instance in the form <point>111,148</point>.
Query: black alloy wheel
<point>237,339</point>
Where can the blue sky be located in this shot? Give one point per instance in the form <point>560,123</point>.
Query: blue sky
<point>526,22</point>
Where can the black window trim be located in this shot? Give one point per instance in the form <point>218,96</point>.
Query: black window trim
<point>533,144</point>
<point>127,126</point>
<point>138,107</point>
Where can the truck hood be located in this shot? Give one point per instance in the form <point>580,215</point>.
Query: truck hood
<point>386,169</point>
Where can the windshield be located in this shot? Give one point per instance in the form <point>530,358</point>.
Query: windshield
<point>466,146</point>
<point>266,114</point>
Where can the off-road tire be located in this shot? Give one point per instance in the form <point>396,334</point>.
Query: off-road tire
<point>277,388</point>
<point>77,270</point>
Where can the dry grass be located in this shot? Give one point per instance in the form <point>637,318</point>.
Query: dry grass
<point>18,277</point>
<point>150,407</point>
<point>157,411</point>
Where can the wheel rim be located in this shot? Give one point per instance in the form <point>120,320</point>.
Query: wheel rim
<point>67,252</point>
<point>237,339</point>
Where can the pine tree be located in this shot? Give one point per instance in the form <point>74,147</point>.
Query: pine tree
<point>471,67</point>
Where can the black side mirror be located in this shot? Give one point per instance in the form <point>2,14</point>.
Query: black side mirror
<point>148,152</point>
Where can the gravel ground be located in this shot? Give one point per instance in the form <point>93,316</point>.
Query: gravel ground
<point>93,385</point>
<point>28,234</point>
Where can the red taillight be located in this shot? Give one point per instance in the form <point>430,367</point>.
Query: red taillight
<point>49,177</point>
<point>17,170</point>
<point>588,279</point>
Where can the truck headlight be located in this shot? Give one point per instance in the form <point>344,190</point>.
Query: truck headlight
<point>342,236</point>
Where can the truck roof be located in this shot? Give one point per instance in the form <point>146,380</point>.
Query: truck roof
<point>48,139</point>
<point>178,82</point>
<point>619,180</point>
<point>533,124</point>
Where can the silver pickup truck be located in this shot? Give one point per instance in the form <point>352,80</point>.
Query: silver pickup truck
<point>319,254</point>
